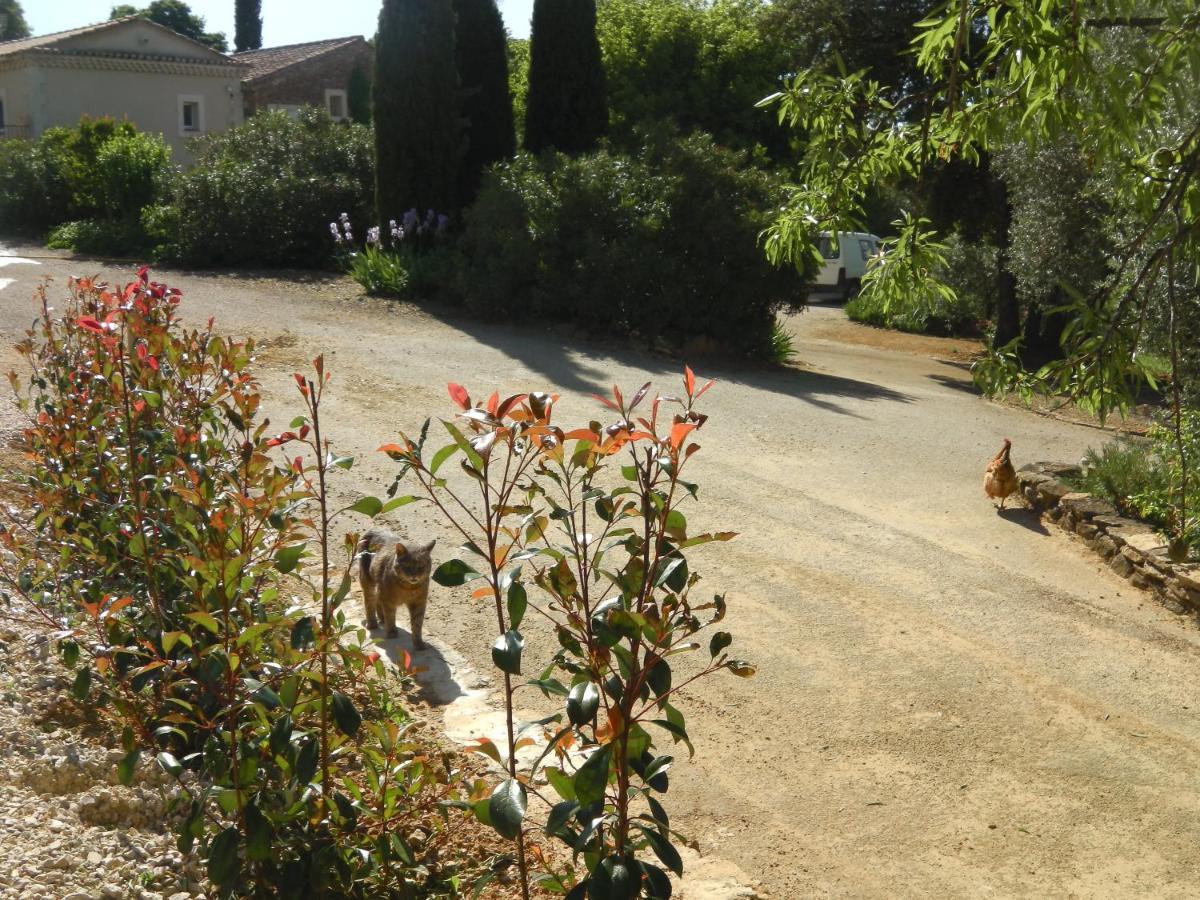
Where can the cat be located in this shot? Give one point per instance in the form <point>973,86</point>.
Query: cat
<point>392,574</point>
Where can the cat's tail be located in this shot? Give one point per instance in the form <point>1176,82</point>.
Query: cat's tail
<point>364,558</point>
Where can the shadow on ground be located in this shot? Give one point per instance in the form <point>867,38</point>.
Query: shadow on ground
<point>571,360</point>
<point>435,679</point>
<point>1026,518</point>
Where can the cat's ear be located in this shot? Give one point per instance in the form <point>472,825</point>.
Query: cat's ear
<point>401,550</point>
<point>428,548</point>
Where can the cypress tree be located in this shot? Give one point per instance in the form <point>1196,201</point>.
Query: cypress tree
<point>481,48</point>
<point>358,96</point>
<point>247,25</point>
<point>567,107</point>
<point>415,99</point>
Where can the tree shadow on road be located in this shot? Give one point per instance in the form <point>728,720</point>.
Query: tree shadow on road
<point>575,362</point>
<point>1026,518</point>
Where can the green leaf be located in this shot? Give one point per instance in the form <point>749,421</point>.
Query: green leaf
<point>204,620</point>
<point>506,808</point>
<point>664,850</point>
<point>582,702</point>
<point>127,766</point>
<point>348,718</point>
<point>518,601</point>
<point>223,862</point>
<point>560,815</point>
<point>592,777</point>
<point>288,557</point>
<point>441,456</point>
<point>259,833</point>
<point>302,633</point>
<point>281,734</point>
<point>454,573</point>
<point>562,783</point>
<point>397,503</point>
<point>170,764</point>
<point>368,506</point>
<point>506,652</point>
<point>615,879</point>
<point>82,684</point>
<point>719,642</point>
<point>306,762</point>
<point>342,462</point>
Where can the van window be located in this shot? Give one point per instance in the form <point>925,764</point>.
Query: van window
<point>867,248</point>
<point>827,247</point>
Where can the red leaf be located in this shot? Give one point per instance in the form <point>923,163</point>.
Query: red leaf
<point>700,393</point>
<point>679,432</point>
<point>508,404</point>
<point>392,448</point>
<point>459,395</point>
<point>607,402</point>
<point>90,323</point>
<point>143,273</point>
<point>493,403</point>
<point>581,434</point>
<point>142,352</point>
<point>689,380</point>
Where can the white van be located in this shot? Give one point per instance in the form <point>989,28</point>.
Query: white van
<point>846,261</point>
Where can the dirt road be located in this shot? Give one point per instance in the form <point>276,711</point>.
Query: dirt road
<point>950,701</point>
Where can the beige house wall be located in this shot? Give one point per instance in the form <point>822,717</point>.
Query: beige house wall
<point>151,101</point>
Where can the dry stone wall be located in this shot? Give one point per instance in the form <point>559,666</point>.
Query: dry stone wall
<point>1133,549</point>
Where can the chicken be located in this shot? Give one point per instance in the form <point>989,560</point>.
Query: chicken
<point>1001,478</point>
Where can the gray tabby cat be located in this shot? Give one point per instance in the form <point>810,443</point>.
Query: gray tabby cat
<point>394,574</point>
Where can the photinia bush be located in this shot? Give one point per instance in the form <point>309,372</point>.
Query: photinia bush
<point>163,547</point>
<point>583,527</point>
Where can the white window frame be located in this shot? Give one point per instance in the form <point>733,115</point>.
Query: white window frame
<point>330,93</point>
<point>198,99</point>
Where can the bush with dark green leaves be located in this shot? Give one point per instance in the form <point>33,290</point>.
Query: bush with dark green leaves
<point>100,169</point>
<point>263,193</point>
<point>662,245</point>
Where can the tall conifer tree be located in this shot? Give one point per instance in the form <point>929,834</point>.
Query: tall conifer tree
<point>481,48</point>
<point>567,107</point>
<point>247,25</point>
<point>418,134</point>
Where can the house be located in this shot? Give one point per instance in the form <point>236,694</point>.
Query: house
<point>317,73</point>
<point>125,68</point>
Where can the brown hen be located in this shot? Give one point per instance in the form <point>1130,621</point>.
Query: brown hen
<point>1001,478</point>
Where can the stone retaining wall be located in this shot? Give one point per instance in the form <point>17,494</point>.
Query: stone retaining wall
<point>1133,549</point>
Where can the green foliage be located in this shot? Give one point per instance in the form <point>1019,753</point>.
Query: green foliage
<point>783,345</point>
<point>380,272</point>
<point>950,298</point>
<point>1045,75</point>
<point>586,527</point>
<point>100,170</point>
<point>121,238</point>
<point>358,96</point>
<point>155,538</point>
<point>418,128</point>
<point>247,25</point>
<point>178,16</point>
<point>1120,471</point>
<point>518,81</point>
<point>654,245</point>
<point>566,107</point>
<point>12,21</point>
<point>481,55</point>
<point>700,65</point>
<point>261,193</point>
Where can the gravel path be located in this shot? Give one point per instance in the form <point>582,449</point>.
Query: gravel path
<point>68,830</point>
<point>950,701</point>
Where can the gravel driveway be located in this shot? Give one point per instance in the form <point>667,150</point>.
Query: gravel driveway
<point>950,701</point>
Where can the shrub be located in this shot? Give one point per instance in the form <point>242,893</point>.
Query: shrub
<point>100,169</point>
<point>162,547</point>
<point>262,193</point>
<point>124,239</point>
<point>379,271</point>
<point>1121,471</point>
<point>663,245</point>
<point>586,528</point>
